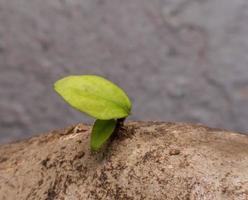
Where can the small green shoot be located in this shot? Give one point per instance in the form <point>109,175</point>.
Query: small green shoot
<point>100,99</point>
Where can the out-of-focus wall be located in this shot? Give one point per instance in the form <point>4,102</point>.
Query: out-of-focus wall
<point>179,60</point>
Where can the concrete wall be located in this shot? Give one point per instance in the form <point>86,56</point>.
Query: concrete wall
<point>179,60</point>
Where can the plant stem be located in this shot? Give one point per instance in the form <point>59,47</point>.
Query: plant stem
<point>120,123</point>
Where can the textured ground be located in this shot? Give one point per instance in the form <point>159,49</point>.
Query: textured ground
<point>146,160</point>
<point>180,60</point>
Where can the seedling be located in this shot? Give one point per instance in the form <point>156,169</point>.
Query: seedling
<point>100,99</point>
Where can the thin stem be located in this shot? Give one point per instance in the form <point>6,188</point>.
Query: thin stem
<point>120,123</point>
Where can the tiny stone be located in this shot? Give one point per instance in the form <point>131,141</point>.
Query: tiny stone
<point>79,128</point>
<point>174,152</point>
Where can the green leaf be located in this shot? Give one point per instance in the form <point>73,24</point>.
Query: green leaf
<point>95,96</point>
<point>101,131</point>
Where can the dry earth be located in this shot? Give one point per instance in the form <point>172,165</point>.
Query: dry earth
<point>145,160</point>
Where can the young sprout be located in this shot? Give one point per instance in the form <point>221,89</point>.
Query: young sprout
<point>100,99</point>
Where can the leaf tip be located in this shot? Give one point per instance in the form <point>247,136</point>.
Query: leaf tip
<point>56,85</point>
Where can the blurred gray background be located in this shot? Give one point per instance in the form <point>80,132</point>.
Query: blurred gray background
<point>179,60</point>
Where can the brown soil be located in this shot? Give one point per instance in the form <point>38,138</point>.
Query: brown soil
<point>146,160</point>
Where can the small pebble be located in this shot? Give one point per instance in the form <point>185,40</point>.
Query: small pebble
<point>174,152</point>
<point>79,128</point>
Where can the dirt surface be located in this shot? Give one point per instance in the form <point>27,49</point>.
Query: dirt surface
<point>146,160</point>
<point>179,60</point>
